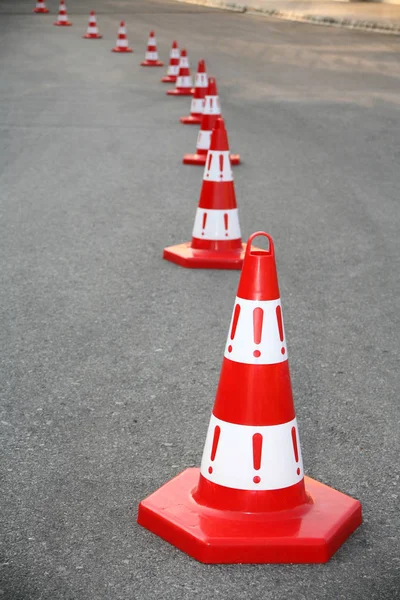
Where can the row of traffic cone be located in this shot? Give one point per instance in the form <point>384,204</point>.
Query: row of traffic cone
<point>250,501</point>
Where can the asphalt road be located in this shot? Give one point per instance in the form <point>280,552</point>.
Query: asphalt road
<point>110,356</point>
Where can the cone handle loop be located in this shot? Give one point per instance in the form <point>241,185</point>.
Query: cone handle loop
<point>269,252</point>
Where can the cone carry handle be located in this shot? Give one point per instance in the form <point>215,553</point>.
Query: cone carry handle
<point>258,252</point>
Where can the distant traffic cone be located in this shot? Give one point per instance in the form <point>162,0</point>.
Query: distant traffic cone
<point>122,40</point>
<point>200,90</point>
<point>211,112</point>
<point>151,58</point>
<point>173,67</point>
<point>92,30</point>
<point>62,20</point>
<point>184,80</point>
<point>216,241</point>
<point>250,502</point>
<point>40,7</point>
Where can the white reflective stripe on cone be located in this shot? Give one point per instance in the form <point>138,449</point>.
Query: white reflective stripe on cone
<point>184,62</point>
<point>256,334</point>
<point>122,43</point>
<point>196,105</point>
<point>212,105</point>
<point>203,140</point>
<point>218,166</point>
<point>220,225</point>
<point>234,466</point>
<point>172,70</point>
<point>122,30</point>
<point>184,82</point>
<point>62,18</point>
<point>152,41</point>
<point>174,53</point>
<point>151,56</point>
<point>201,80</point>
<point>93,30</point>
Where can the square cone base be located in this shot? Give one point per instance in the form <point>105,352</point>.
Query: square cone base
<point>121,50</point>
<point>185,256</point>
<point>310,533</point>
<point>191,120</point>
<point>40,11</point>
<point>62,23</point>
<point>92,36</point>
<point>200,159</point>
<point>179,92</point>
<point>155,63</point>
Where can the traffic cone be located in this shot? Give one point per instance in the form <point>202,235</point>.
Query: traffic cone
<point>250,501</point>
<point>92,30</point>
<point>200,90</point>
<point>184,80</point>
<point>173,67</point>
<point>151,58</point>
<point>62,20</point>
<point>40,7</point>
<point>122,40</point>
<point>211,112</point>
<point>216,240</point>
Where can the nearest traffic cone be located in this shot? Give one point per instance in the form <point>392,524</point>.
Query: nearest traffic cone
<point>200,90</point>
<point>62,20</point>
<point>250,501</point>
<point>92,30</point>
<point>173,67</point>
<point>184,81</point>
<point>151,58</point>
<point>40,7</point>
<point>216,240</point>
<point>122,40</point>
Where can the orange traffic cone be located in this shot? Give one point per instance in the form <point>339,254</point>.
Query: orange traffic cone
<point>92,30</point>
<point>216,240</point>
<point>173,67</point>
<point>122,40</point>
<point>200,90</point>
<point>62,20</point>
<point>211,112</point>
<point>40,7</point>
<point>250,502</point>
<point>184,80</point>
<point>151,58</point>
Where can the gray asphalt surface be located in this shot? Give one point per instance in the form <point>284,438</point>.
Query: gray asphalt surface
<point>110,356</point>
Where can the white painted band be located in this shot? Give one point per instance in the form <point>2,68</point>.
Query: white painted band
<point>212,105</point>
<point>122,30</point>
<point>203,140</point>
<point>218,166</point>
<point>174,53</point>
<point>197,105</point>
<point>151,55</point>
<point>93,30</point>
<point>122,43</point>
<point>184,62</point>
<point>152,41</point>
<point>173,70</point>
<point>269,349</point>
<point>184,82</point>
<point>218,224</point>
<point>233,465</point>
<point>201,80</point>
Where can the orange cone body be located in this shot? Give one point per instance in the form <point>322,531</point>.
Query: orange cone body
<point>200,90</point>
<point>216,239</point>
<point>122,40</point>
<point>92,32</point>
<point>40,7</point>
<point>184,80</point>
<point>173,67</point>
<point>62,20</point>
<point>151,58</point>
<point>211,112</point>
<point>250,501</point>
